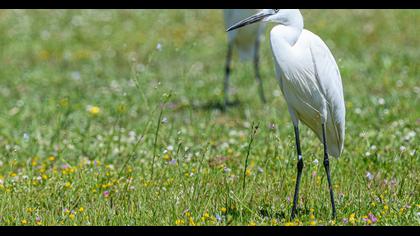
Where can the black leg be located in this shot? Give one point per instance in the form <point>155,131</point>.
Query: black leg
<point>257,69</point>
<point>299,173</point>
<point>327,169</point>
<point>227,75</point>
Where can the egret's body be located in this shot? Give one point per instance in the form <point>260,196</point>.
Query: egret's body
<point>310,82</point>
<point>311,86</point>
<point>247,42</point>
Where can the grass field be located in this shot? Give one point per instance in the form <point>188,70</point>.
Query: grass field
<point>109,118</point>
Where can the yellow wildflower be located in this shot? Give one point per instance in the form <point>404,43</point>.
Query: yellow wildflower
<point>386,207</point>
<point>312,223</point>
<point>44,177</point>
<point>352,218</point>
<point>187,214</point>
<point>402,210</point>
<point>94,110</point>
<point>166,157</point>
<point>67,185</point>
<point>248,172</point>
<point>223,210</point>
<point>179,222</point>
<point>273,222</point>
<point>312,217</point>
<point>318,180</point>
<point>72,216</point>
<point>81,209</point>
<point>252,223</point>
<point>24,222</point>
<point>51,158</point>
<point>191,221</point>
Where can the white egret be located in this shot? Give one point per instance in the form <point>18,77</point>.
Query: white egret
<point>310,82</point>
<point>247,42</point>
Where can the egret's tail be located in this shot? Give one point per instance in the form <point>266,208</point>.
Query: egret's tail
<point>335,138</point>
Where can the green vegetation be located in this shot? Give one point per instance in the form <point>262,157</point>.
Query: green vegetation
<point>94,101</point>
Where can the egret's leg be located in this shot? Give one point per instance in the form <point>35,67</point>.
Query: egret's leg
<point>227,74</point>
<point>257,69</point>
<point>327,169</point>
<point>299,173</point>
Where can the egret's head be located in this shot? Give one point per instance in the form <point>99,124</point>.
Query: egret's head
<point>287,17</point>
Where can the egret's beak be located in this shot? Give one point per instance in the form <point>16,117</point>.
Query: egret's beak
<point>250,20</point>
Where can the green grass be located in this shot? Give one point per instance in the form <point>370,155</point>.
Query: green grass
<point>61,164</point>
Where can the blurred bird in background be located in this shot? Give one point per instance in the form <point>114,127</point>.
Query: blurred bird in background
<point>247,42</point>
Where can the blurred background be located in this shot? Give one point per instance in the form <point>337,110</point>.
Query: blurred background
<point>111,57</point>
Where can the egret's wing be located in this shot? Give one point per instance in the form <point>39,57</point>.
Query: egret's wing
<point>326,70</point>
<point>329,79</point>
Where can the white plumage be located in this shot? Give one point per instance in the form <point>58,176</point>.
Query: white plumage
<point>311,84</point>
<point>310,81</point>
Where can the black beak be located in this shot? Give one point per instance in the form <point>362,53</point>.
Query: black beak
<point>250,20</point>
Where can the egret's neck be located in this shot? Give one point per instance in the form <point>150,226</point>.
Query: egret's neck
<point>289,34</point>
<point>291,26</point>
<point>283,38</point>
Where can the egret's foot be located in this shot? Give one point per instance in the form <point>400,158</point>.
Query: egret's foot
<point>334,215</point>
<point>296,212</point>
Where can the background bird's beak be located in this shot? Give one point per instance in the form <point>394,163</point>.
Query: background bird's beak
<point>250,20</point>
